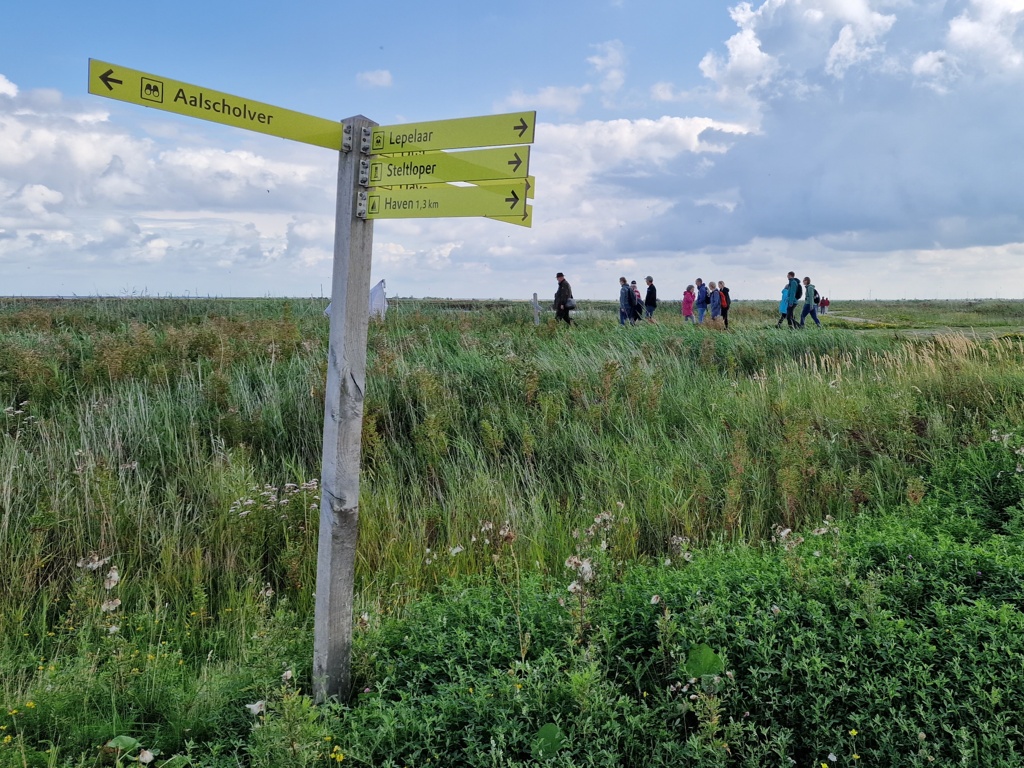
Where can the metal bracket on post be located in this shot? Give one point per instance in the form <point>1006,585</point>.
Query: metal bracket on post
<point>361,204</point>
<point>364,144</point>
<point>364,172</point>
<point>346,138</point>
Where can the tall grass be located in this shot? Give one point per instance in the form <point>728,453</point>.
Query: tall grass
<point>181,440</point>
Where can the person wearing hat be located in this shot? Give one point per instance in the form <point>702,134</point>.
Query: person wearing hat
<point>563,299</point>
<point>651,300</point>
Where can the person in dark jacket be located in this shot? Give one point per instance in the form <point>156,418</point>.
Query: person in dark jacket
<point>638,302</point>
<point>625,302</point>
<point>651,299</point>
<point>562,297</point>
<point>725,301</point>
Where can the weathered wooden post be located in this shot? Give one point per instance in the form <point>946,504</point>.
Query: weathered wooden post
<point>343,425</point>
<point>536,310</point>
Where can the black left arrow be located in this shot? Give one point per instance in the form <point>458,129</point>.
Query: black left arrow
<point>522,127</point>
<point>106,79</point>
<point>515,163</point>
<point>514,199</point>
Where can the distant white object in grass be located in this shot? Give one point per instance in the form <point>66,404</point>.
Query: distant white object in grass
<point>378,301</point>
<point>113,578</point>
<point>258,707</point>
<point>93,562</point>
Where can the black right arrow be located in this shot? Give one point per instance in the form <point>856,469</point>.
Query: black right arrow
<point>106,79</point>
<point>514,199</point>
<point>515,163</point>
<point>522,127</point>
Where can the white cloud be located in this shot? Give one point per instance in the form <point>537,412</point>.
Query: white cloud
<point>609,63</point>
<point>857,44</point>
<point>377,78</point>
<point>564,100</point>
<point>989,32</point>
<point>7,88</point>
<point>665,91</point>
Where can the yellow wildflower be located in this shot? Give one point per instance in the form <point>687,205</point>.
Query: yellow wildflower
<point>853,731</point>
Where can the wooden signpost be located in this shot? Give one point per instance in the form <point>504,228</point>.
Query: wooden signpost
<point>383,172</point>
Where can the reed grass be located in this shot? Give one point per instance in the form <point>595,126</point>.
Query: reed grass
<point>181,440</point>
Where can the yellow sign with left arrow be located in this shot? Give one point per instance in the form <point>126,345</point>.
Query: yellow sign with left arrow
<point>148,90</point>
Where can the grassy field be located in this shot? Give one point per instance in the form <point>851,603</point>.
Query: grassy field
<point>585,546</point>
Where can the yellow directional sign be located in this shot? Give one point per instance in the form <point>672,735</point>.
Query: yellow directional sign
<point>521,221</point>
<point>444,200</point>
<point>487,131</point>
<point>524,187</point>
<point>439,167</point>
<point>123,84</point>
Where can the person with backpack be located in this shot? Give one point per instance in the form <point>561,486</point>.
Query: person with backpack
<point>811,299</point>
<point>702,300</point>
<point>793,291</point>
<point>725,301</point>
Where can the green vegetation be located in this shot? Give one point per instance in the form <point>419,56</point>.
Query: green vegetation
<point>657,545</point>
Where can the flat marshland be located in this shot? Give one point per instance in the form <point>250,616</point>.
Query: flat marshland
<point>646,546</point>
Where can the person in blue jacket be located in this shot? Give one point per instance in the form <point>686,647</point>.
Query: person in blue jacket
<point>792,292</point>
<point>702,300</point>
<point>714,300</point>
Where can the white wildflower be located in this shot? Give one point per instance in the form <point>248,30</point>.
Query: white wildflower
<point>455,550</point>
<point>575,588</point>
<point>113,578</point>
<point>655,599</point>
<point>258,707</point>
<point>93,562</point>
<point>286,676</point>
<point>146,757</point>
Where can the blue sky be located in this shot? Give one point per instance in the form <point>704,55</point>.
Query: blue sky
<point>875,146</point>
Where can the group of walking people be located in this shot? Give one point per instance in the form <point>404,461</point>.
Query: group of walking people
<point>632,306</point>
<point>701,301</point>
<point>707,300</point>
<point>793,293</point>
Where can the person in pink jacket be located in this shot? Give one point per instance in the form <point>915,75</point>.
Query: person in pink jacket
<point>688,298</point>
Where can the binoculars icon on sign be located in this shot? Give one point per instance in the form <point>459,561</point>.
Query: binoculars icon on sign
<point>152,90</point>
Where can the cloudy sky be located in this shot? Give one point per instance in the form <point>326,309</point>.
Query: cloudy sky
<point>875,145</point>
